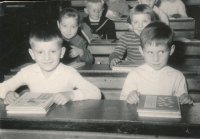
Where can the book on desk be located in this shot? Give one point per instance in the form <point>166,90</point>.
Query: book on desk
<point>127,65</point>
<point>31,103</point>
<point>85,29</point>
<point>159,106</point>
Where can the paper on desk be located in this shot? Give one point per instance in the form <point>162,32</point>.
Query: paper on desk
<point>110,14</point>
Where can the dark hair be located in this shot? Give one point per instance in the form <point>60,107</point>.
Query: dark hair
<point>143,9</point>
<point>69,12</point>
<point>158,33</point>
<point>45,33</point>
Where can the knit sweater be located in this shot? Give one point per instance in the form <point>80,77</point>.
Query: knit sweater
<point>129,42</point>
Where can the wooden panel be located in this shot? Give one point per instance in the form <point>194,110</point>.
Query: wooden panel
<point>175,24</point>
<point>37,134</point>
<point>186,34</point>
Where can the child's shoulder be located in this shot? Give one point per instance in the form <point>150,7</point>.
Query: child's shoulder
<point>172,71</point>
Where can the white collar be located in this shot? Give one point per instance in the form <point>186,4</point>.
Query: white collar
<point>92,20</point>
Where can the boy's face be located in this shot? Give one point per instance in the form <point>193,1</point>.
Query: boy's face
<point>156,56</point>
<point>68,27</point>
<point>94,10</point>
<point>47,54</point>
<point>139,22</point>
<point>151,3</point>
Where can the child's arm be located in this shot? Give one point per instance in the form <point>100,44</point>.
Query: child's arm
<point>110,30</point>
<point>119,51</point>
<point>12,84</point>
<point>10,97</point>
<point>82,51</point>
<point>133,97</point>
<point>181,90</point>
<point>185,99</point>
<point>63,97</point>
<point>83,88</point>
<point>129,89</point>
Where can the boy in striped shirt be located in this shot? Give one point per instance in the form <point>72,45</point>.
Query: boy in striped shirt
<point>140,16</point>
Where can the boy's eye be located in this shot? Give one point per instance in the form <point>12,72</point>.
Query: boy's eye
<point>134,22</point>
<point>150,53</point>
<point>161,52</point>
<point>53,51</point>
<point>73,26</point>
<point>40,52</point>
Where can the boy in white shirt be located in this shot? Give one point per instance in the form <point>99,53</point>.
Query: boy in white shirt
<point>160,14</point>
<point>155,77</point>
<point>48,75</point>
<point>173,8</point>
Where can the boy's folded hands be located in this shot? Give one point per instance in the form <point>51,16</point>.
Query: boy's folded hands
<point>10,97</point>
<point>185,99</point>
<point>63,97</point>
<point>133,97</point>
<point>75,51</point>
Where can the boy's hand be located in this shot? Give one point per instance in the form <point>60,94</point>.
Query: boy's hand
<point>114,62</point>
<point>10,97</point>
<point>133,97</point>
<point>116,13</point>
<point>176,16</point>
<point>185,99</point>
<point>75,51</point>
<point>63,97</point>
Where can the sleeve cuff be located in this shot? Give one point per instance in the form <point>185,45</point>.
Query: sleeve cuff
<point>78,95</point>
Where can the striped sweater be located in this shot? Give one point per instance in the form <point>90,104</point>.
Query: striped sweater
<point>129,42</point>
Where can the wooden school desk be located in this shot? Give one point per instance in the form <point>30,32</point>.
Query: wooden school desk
<point>189,52</point>
<point>99,119</point>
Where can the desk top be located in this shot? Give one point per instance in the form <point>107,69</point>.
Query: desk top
<point>111,116</point>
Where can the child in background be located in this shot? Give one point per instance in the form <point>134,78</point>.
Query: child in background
<point>159,13</point>
<point>48,75</point>
<point>140,16</point>
<point>116,9</point>
<point>173,8</point>
<point>155,77</point>
<point>101,27</point>
<point>68,23</point>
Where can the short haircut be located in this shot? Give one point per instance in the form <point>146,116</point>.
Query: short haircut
<point>45,33</point>
<point>158,33</point>
<point>143,9</point>
<point>69,12</point>
<point>87,2</point>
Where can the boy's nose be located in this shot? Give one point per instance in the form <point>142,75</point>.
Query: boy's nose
<point>68,30</point>
<point>140,25</point>
<point>155,58</point>
<point>47,56</point>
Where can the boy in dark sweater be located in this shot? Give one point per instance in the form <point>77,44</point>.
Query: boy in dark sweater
<point>76,46</point>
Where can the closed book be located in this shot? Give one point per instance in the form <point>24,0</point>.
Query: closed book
<point>127,65</point>
<point>31,103</point>
<point>85,29</point>
<point>159,106</point>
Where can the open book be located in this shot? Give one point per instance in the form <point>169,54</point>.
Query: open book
<point>85,29</point>
<point>159,106</point>
<point>31,103</point>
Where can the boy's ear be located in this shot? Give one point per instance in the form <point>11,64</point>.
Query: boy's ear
<point>172,50</point>
<point>63,49</point>
<point>86,10</point>
<point>141,50</point>
<point>31,53</point>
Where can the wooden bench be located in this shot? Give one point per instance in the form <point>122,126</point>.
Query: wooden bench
<point>188,52</point>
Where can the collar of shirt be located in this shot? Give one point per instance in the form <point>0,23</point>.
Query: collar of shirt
<point>58,71</point>
<point>150,70</point>
<point>92,20</point>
